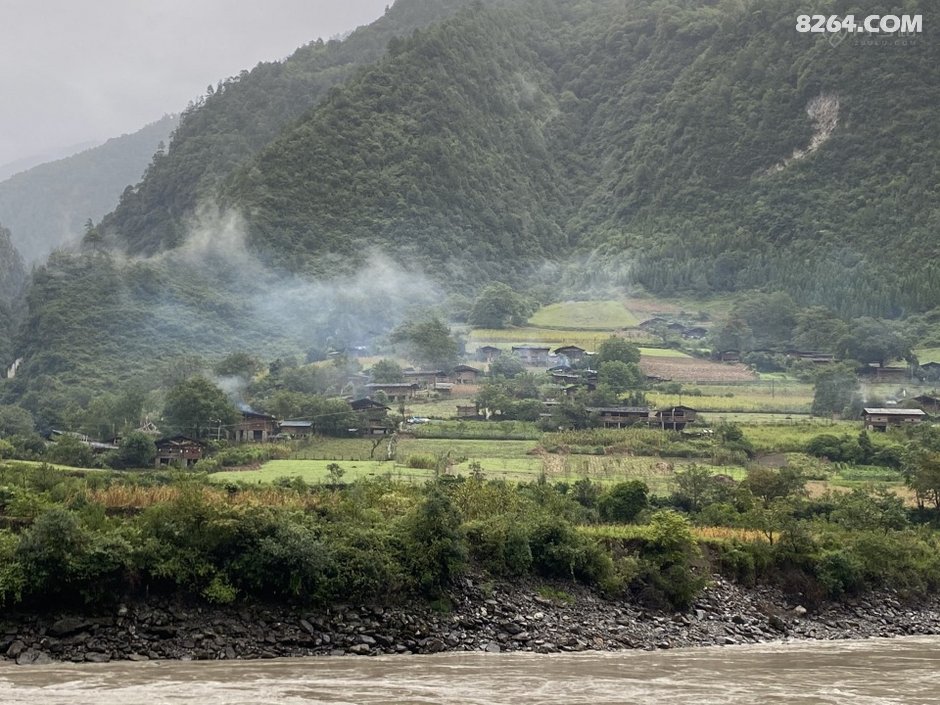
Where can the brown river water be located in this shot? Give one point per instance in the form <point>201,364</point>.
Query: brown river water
<point>870,672</point>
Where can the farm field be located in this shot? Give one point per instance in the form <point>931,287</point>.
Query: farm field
<point>927,355</point>
<point>584,315</point>
<point>690,369</point>
<point>657,473</point>
<point>505,338</point>
<point>734,402</point>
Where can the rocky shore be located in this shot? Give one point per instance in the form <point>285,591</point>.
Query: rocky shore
<point>482,617</point>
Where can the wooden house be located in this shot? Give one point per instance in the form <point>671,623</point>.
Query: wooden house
<point>467,411</point>
<point>880,419</point>
<point>425,379</point>
<point>673,418</point>
<point>296,429</point>
<point>394,391</point>
<point>695,333</point>
<point>254,427</point>
<point>488,353</point>
<point>928,403</point>
<point>930,370</point>
<point>621,416</point>
<point>535,355</point>
<point>464,374</point>
<point>180,451</point>
<point>572,353</point>
<point>372,416</point>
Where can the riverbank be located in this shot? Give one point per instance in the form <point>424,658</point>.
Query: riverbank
<point>481,617</point>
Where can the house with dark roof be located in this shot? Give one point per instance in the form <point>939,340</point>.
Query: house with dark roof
<point>254,427</point>
<point>536,355</point>
<point>394,391</point>
<point>178,451</point>
<point>465,374</point>
<point>621,416</point>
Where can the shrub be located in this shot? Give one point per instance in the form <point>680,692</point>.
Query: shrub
<point>624,501</point>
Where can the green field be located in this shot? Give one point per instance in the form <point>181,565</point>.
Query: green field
<point>505,338</point>
<point>927,355</point>
<point>738,403</point>
<point>584,315</point>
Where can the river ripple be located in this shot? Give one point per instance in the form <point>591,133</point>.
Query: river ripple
<point>870,672</point>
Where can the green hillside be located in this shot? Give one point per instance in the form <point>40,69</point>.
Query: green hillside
<point>47,206</point>
<point>689,147</point>
<point>12,279</point>
<point>243,114</point>
<point>661,134</point>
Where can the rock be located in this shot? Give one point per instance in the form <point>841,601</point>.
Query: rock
<point>137,657</point>
<point>307,627</point>
<point>432,645</point>
<point>776,623</point>
<point>359,649</point>
<point>799,611</point>
<point>492,648</point>
<point>16,648</point>
<point>97,657</point>
<point>69,625</point>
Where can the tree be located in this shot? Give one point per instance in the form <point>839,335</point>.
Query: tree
<point>836,389</point>
<point>386,372</point>
<point>196,406</point>
<point>238,364</point>
<point>624,501</point>
<point>15,421</point>
<point>620,376</point>
<point>498,305</point>
<point>136,450</point>
<point>507,366</point>
<point>769,485</point>
<point>429,342</point>
<point>818,328</point>
<point>875,340</point>
<point>617,350</point>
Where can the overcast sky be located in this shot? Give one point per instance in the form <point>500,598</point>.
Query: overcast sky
<point>74,71</point>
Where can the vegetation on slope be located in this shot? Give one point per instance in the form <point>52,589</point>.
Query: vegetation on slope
<point>49,205</point>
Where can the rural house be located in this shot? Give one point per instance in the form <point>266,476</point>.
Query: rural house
<point>879,419</point>
<point>296,429</point>
<point>254,428</point>
<point>394,391</point>
<point>928,403</point>
<point>673,418</point>
<point>372,416</point>
<point>536,355</point>
<point>487,353</point>
<point>464,374</point>
<point>179,451</point>
<point>571,352</point>
<point>620,416</point>
<point>425,379</point>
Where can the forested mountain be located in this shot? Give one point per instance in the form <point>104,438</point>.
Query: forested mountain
<point>47,206</point>
<point>243,114</point>
<point>689,146</point>
<point>12,278</point>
